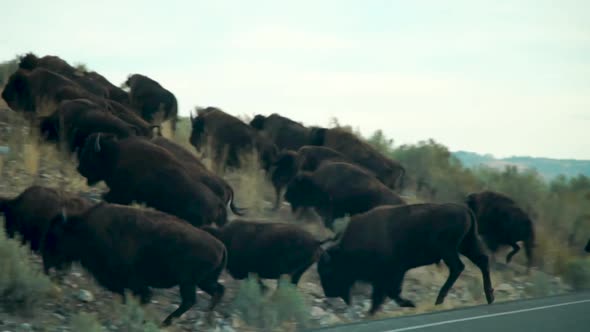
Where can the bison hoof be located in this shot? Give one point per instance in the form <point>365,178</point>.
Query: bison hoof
<point>490,296</point>
<point>439,300</point>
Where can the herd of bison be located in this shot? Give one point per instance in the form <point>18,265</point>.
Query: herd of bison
<point>186,239</point>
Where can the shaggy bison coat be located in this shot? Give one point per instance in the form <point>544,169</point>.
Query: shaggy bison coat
<point>267,249</point>
<point>154,103</point>
<point>338,188</point>
<point>229,139</point>
<point>138,249</point>
<point>381,245</point>
<point>502,223</point>
<point>285,133</point>
<point>390,172</point>
<point>75,120</point>
<point>135,169</point>
<point>30,213</point>
<point>199,172</point>
<point>289,163</point>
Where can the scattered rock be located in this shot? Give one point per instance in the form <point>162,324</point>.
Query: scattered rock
<point>85,296</point>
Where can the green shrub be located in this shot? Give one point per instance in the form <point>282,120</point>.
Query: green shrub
<point>270,311</point>
<point>578,273</point>
<point>22,285</point>
<point>86,322</point>
<point>133,318</point>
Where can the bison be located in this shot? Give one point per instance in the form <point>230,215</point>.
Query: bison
<point>75,120</point>
<point>198,171</point>
<point>587,246</point>
<point>267,249</point>
<point>135,169</point>
<point>138,249</point>
<point>285,133</point>
<point>229,138</point>
<point>30,213</point>
<point>338,188</point>
<point>307,158</point>
<point>388,171</point>
<point>381,245</point>
<point>154,103</point>
<point>502,222</point>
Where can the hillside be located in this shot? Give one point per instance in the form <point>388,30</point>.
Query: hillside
<point>547,167</point>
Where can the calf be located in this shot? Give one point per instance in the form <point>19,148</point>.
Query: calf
<point>135,169</point>
<point>501,222</point>
<point>267,249</point>
<point>138,249</point>
<point>30,212</point>
<point>381,245</point>
<point>338,188</point>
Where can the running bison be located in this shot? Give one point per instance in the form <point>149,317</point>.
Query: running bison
<point>30,213</point>
<point>154,103</point>
<point>289,163</point>
<point>390,172</point>
<point>75,120</point>
<point>229,139</point>
<point>381,245</point>
<point>338,188</point>
<point>285,133</point>
<point>503,223</point>
<point>267,249</point>
<point>135,169</point>
<point>128,248</point>
<point>199,172</point>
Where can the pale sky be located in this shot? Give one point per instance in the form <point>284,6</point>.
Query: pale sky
<point>500,77</point>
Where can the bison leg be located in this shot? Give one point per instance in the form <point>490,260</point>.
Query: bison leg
<point>277,205</point>
<point>377,298</point>
<point>215,290</point>
<point>144,294</point>
<point>455,268</point>
<point>515,249</point>
<point>188,297</point>
<point>395,292</point>
<point>481,260</point>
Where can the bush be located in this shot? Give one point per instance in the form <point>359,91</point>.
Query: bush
<point>133,318</point>
<point>85,322</point>
<point>22,285</point>
<point>270,311</point>
<point>578,273</point>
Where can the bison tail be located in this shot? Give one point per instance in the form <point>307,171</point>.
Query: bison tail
<point>232,206</point>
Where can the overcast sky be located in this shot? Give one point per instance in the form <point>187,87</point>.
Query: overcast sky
<point>500,77</point>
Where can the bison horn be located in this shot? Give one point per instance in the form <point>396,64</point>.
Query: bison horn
<point>97,143</point>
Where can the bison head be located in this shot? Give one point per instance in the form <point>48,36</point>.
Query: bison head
<point>302,191</point>
<point>197,132</point>
<point>333,280</point>
<point>58,247</point>
<point>17,92</point>
<point>284,168</point>
<point>96,152</point>
<point>29,61</point>
<point>258,122</point>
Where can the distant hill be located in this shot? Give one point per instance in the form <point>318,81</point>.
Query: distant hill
<point>548,168</point>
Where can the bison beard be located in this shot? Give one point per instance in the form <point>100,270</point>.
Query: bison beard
<point>130,248</point>
<point>381,245</point>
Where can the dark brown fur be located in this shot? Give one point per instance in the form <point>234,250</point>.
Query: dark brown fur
<point>150,98</point>
<point>285,133</point>
<point>390,172</point>
<point>587,246</point>
<point>30,213</point>
<point>199,172</point>
<point>338,188</point>
<point>381,245</point>
<point>223,131</point>
<point>267,249</point>
<point>503,223</point>
<point>135,169</point>
<point>138,249</point>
